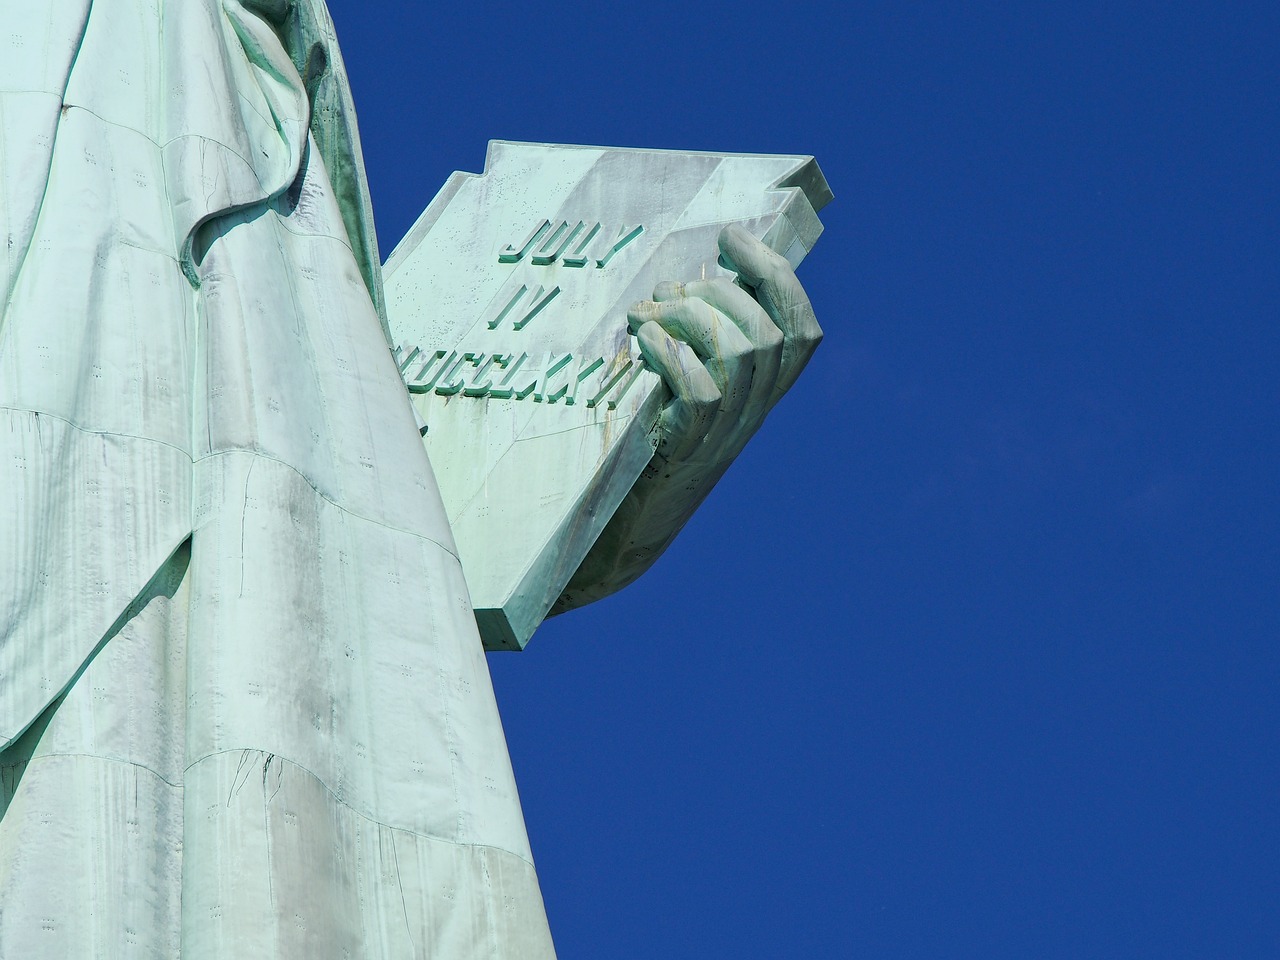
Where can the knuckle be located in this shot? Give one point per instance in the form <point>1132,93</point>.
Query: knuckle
<point>810,336</point>
<point>735,346</point>
<point>775,267</point>
<point>771,338</point>
<point>697,306</point>
<point>739,358</point>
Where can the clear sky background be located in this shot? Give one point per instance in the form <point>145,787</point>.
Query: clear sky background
<point>974,651</point>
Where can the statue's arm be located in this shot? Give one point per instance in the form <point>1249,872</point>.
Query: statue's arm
<point>728,351</point>
<point>567,450</point>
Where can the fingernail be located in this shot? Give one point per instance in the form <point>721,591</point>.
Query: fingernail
<point>641,312</point>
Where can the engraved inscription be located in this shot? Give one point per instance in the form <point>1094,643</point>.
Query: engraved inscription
<point>578,256</point>
<point>574,245</point>
<point>625,236</point>
<point>510,254</point>
<point>555,244</point>
<point>550,378</point>
<point>536,304</point>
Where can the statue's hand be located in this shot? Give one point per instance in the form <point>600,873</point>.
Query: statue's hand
<point>728,350</point>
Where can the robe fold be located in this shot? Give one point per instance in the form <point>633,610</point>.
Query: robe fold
<point>244,710</point>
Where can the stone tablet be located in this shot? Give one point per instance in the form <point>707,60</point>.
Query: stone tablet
<point>507,301</point>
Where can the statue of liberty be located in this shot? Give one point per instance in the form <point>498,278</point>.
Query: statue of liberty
<point>219,734</point>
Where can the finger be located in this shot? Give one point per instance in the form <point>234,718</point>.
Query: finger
<point>687,420</point>
<point>780,293</point>
<point>751,318</point>
<point>717,340</point>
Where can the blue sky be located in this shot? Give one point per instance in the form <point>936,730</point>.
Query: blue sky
<point>974,651</point>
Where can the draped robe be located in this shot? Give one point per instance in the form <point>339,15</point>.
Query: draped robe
<point>244,710</point>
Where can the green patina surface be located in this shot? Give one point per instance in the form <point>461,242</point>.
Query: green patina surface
<point>245,706</point>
